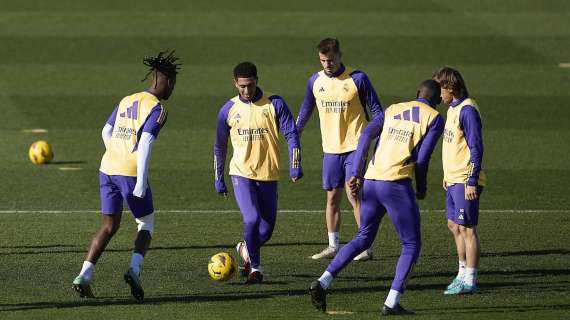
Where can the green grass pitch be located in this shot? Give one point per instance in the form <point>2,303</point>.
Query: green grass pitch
<point>65,64</point>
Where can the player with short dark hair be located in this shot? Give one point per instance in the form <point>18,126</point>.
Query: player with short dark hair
<point>253,120</point>
<point>408,135</point>
<point>341,95</point>
<point>128,136</point>
<point>463,175</point>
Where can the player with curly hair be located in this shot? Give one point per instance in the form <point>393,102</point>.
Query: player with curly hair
<point>128,136</point>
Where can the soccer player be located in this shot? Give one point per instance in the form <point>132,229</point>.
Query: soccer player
<point>128,136</point>
<point>252,120</point>
<point>408,136</point>
<point>463,175</point>
<point>341,95</point>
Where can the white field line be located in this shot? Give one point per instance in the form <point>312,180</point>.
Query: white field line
<point>35,130</point>
<point>209,211</point>
<point>564,65</point>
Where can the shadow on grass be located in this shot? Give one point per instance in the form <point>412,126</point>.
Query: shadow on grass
<point>156,248</point>
<point>420,275</point>
<point>494,309</point>
<point>530,253</point>
<point>118,302</point>
<point>39,247</point>
<point>67,162</point>
<point>237,296</point>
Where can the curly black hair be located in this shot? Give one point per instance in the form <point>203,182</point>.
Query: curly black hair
<point>162,62</point>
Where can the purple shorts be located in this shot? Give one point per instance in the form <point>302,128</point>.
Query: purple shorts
<point>118,189</point>
<point>459,210</point>
<point>336,169</point>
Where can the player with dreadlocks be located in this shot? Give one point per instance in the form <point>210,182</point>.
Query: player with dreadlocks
<point>128,136</point>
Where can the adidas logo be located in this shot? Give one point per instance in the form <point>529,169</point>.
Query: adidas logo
<point>322,89</point>
<point>237,116</point>
<point>460,217</point>
<point>409,115</point>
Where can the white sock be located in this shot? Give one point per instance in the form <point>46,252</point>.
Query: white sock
<point>334,239</point>
<point>244,253</point>
<point>326,280</point>
<point>87,270</point>
<point>470,276</point>
<point>461,272</point>
<point>136,261</point>
<point>393,298</point>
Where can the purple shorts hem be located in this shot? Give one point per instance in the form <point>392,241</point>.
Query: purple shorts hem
<point>116,190</point>
<point>336,169</point>
<point>459,210</point>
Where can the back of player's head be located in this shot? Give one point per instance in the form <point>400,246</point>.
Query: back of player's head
<point>245,70</point>
<point>329,45</point>
<point>449,78</point>
<point>164,62</point>
<point>430,90</point>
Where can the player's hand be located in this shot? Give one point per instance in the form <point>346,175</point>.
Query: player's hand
<point>470,192</point>
<point>220,187</point>
<point>444,185</point>
<point>140,190</point>
<point>354,183</point>
<point>420,195</point>
<point>296,174</point>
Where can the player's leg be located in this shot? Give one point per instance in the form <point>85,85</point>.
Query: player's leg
<point>267,200</point>
<point>143,211</point>
<point>268,209</point>
<point>371,215</point>
<point>452,214</point>
<point>355,203</point>
<point>472,249</point>
<point>333,183</point>
<point>399,199</point>
<point>467,216</point>
<point>245,191</point>
<point>111,207</point>
<point>472,246</point>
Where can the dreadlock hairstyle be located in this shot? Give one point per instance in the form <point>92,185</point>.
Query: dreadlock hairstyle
<point>164,63</point>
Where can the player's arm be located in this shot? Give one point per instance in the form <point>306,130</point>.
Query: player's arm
<point>289,130</point>
<point>154,122</point>
<point>470,122</point>
<point>308,105</point>
<point>107,132</point>
<point>426,147</point>
<point>368,97</point>
<point>221,148</point>
<point>372,130</point>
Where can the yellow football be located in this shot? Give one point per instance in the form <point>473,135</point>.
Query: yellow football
<point>222,266</point>
<point>40,152</point>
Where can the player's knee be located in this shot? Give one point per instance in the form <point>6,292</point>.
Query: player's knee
<point>363,241</point>
<point>334,197</point>
<point>250,221</point>
<point>111,227</point>
<point>468,231</point>
<point>265,236</point>
<point>412,247</point>
<point>453,227</point>
<point>146,223</point>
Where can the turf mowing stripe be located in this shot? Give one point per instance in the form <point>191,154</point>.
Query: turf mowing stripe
<point>281,211</point>
<point>35,130</point>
